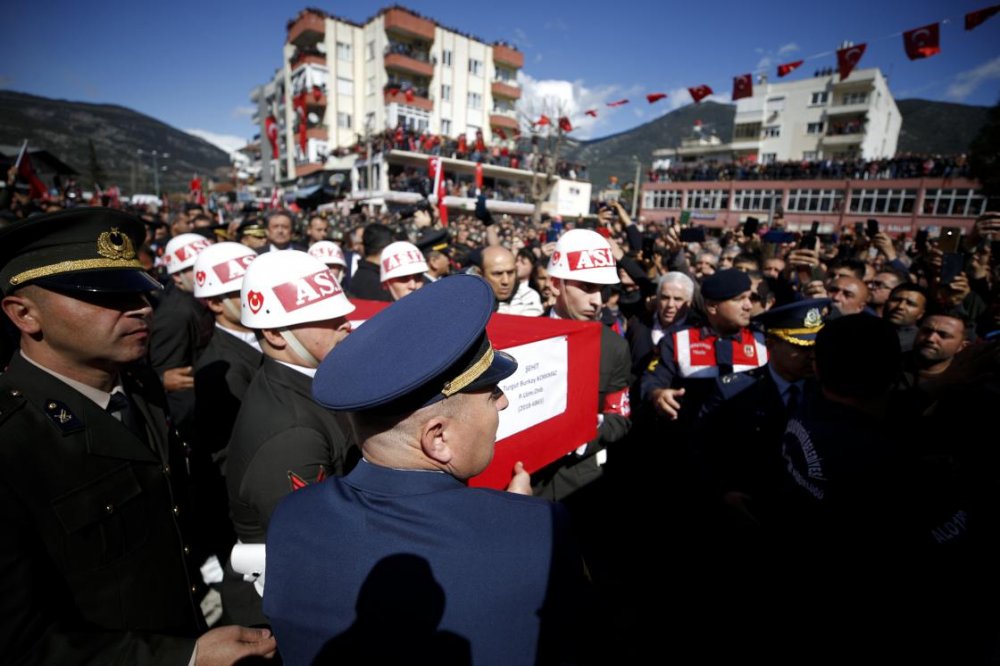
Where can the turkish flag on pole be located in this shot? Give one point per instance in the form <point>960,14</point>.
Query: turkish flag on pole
<point>655,97</point>
<point>922,42</point>
<point>788,68</point>
<point>591,112</point>
<point>564,124</point>
<point>543,120</point>
<point>742,86</point>
<point>27,172</point>
<point>699,93</point>
<point>621,102</point>
<point>848,58</point>
<point>271,129</point>
<point>978,17</point>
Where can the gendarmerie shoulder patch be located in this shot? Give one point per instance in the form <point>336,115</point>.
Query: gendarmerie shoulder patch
<point>62,417</point>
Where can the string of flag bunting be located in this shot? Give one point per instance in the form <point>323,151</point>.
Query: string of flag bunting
<point>918,43</point>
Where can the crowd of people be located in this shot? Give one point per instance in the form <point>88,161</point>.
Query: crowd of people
<point>901,166</point>
<point>804,421</point>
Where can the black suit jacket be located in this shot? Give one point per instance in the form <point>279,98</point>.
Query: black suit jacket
<point>95,565</point>
<point>366,283</point>
<point>221,378</point>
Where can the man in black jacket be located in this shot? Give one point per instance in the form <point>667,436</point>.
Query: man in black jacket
<point>94,554</point>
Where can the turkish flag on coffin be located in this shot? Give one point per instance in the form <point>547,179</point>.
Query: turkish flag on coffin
<point>922,42</point>
<point>848,58</point>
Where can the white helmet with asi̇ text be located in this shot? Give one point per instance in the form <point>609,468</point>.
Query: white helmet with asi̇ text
<point>328,252</point>
<point>583,255</point>
<point>400,259</point>
<point>286,288</point>
<point>219,269</point>
<point>182,251</point>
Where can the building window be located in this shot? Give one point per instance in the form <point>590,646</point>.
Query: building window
<point>776,104</point>
<point>768,158</point>
<point>445,92</point>
<point>815,201</point>
<point>343,51</point>
<point>755,200</point>
<point>708,199</point>
<point>446,58</point>
<point>747,131</point>
<point>663,199</point>
<point>814,128</point>
<point>343,120</point>
<point>961,202</point>
<point>819,98</point>
<point>370,50</point>
<point>854,98</point>
<point>900,202</point>
<point>370,120</point>
<point>345,86</point>
<point>475,101</point>
<point>445,127</point>
<point>370,86</point>
<point>810,155</point>
<point>771,131</point>
<point>505,75</point>
<point>475,67</point>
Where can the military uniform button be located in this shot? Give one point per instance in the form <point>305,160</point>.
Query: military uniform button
<point>194,589</point>
<point>187,550</point>
<point>15,393</point>
<point>176,510</point>
<point>109,508</point>
<point>166,470</point>
<point>53,405</point>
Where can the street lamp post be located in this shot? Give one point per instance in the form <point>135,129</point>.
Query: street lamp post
<point>156,166</point>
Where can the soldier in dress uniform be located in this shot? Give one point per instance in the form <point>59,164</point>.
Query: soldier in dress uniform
<point>282,440</point>
<point>96,561</point>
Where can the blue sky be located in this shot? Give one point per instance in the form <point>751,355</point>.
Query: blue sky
<point>192,65</point>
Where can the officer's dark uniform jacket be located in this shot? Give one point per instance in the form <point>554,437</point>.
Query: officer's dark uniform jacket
<point>282,441</point>
<point>93,555</point>
<point>366,283</point>
<point>181,330</point>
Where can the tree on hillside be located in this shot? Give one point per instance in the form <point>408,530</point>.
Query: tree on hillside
<point>97,176</point>
<point>984,157</point>
<point>546,137</point>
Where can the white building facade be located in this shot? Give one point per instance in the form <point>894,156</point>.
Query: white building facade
<point>811,119</point>
<point>396,68</point>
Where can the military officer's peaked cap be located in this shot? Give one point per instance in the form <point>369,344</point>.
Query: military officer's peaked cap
<point>81,249</point>
<point>419,350</point>
<point>798,322</point>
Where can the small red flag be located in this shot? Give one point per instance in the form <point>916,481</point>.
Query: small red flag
<point>848,58</point>
<point>480,144</point>
<point>922,42</point>
<point>655,97</point>
<point>463,144</point>
<point>591,112</point>
<point>621,102</point>
<point>479,175</point>
<point>564,124</point>
<point>271,129</point>
<point>742,86</point>
<point>978,17</point>
<point>317,93</point>
<point>393,91</point>
<point>409,95</point>
<point>544,120</point>
<point>500,133</point>
<point>699,93</point>
<point>27,172</point>
<point>788,68</point>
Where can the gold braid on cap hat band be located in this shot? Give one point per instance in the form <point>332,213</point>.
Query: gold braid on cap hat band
<point>71,266</point>
<point>470,375</point>
<point>788,335</point>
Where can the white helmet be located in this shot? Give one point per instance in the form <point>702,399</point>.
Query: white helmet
<point>286,288</point>
<point>399,259</point>
<point>220,268</point>
<point>584,255</point>
<point>182,250</point>
<point>328,252</point>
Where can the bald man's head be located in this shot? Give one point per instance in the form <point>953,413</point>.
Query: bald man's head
<point>849,294</point>
<point>500,271</point>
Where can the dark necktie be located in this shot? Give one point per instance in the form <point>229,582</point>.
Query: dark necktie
<point>122,409</point>
<point>792,402</point>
